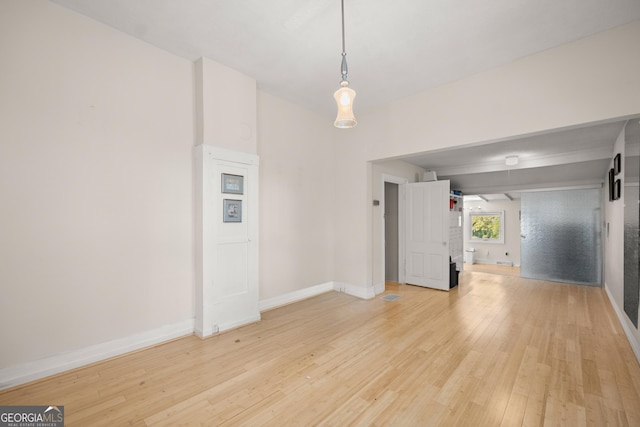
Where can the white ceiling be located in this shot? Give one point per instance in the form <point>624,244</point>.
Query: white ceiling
<point>394,49</point>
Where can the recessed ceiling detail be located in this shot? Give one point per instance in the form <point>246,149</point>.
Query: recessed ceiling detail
<point>564,158</point>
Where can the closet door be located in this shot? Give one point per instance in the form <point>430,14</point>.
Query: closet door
<point>227,230</point>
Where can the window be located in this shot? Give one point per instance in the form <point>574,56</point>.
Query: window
<point>486,227</point>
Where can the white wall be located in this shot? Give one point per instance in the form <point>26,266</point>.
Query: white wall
<point>614,251</point>
<point>590,80</point>
<point>96,164</point>
<point>593,79</point>
<point>96,131</point>
<point>297,207</point>
<point>491,253</point>
<point>226,107</point>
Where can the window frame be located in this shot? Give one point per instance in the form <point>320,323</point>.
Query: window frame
<point>499,214</point>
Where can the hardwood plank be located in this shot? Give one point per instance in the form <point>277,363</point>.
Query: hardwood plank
<point>496,350</point>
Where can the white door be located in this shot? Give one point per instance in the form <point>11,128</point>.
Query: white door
<point>227,229</point>
<point>427,225</point>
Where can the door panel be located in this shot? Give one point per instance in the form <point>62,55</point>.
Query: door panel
<point>427,207</point>
<point>234,280</point>
<point>435,267</point>
<point>416,266</point>
<point>227,242</point>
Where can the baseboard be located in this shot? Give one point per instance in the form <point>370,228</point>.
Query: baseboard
<point>232,325</point>
<point>622,318</point>
<point>492,262</point>
<point>379,288</point>
<point>291,297</point>
<point>294,296</point>
<point>38,369</point>
<point>356,291</point>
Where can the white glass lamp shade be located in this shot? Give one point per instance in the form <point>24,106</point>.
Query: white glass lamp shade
<point>344,98</point>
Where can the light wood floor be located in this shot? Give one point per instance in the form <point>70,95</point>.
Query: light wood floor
<point>493,269</point>
<point>496,350</point>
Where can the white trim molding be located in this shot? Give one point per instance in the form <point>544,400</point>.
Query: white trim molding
<point>301,294</point>
<point>38,369</point>
<point>356,291</point>
<point>295,296</point>
<point>635,345</point>
<point>379,288</point>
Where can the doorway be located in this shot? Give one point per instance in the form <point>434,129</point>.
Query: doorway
<point>393,228</point>
<point>391,232</point>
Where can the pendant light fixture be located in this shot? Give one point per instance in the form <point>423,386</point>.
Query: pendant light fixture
<point>345,95</point>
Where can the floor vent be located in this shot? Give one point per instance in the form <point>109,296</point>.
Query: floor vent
<point>391,297</point>
<point>507,263</point>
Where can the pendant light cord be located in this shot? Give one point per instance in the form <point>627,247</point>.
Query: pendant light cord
<point>343,49</point>
<point>343,66</point>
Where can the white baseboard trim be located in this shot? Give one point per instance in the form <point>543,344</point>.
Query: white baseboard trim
<point>356,291</point>
<point>294,296</point>
<point>491,262</point>
<point>222,327</point>
<point>291,297</point>
<point>201,333</point>
<point>232,325</point>
<point>38,369</point>
<point>622,317</point>
<point>379,288</point>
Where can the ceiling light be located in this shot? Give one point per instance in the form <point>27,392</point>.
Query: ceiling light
<point>511,160</point>
<point>345,95</point>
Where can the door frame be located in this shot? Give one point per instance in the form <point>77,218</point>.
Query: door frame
<point>401,224</point>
